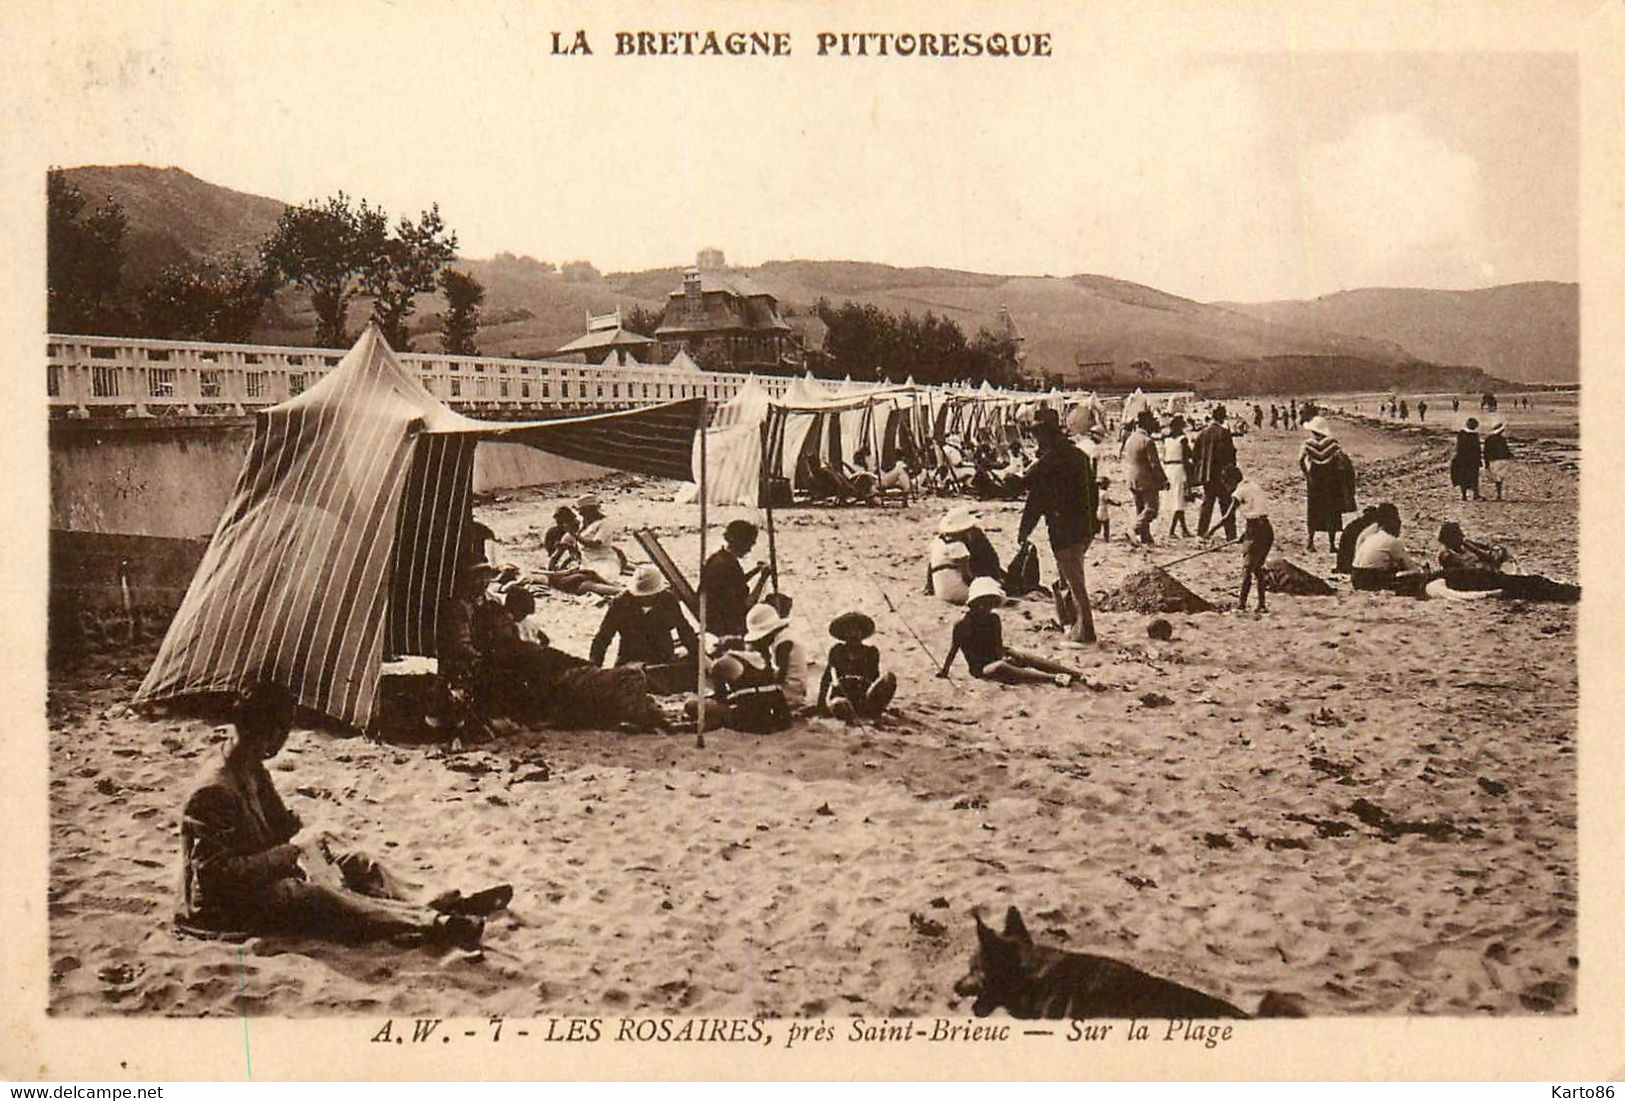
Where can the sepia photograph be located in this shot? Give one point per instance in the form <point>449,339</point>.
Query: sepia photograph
<point>780,525</point>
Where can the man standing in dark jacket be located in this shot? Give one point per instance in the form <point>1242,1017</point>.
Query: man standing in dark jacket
<point>1215,452</point>
<point>1061,491</point>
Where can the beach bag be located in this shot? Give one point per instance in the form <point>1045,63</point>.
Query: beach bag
<point>1021,576</point>
<point>779,493</point>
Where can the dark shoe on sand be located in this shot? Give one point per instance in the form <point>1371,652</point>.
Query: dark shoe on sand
<point>458,930</point>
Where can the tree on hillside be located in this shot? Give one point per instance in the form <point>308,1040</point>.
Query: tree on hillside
<point>464,296</point>
<point>84,260</point>
<point>406,267</point>
<point>580,271</point>
<point>1143,370</point>
<point>327,247</point>
<point>218,299</point>
<point>642,321</point>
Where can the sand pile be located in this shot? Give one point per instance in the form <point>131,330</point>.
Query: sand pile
<point>1152,590</point>
<point>1294,580</point>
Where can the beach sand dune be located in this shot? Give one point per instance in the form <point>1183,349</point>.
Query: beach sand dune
<point>1363,800</point>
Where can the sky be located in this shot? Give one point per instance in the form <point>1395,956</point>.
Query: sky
<point>1203,170</point>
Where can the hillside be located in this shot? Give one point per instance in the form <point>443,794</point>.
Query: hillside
<point>1388,337</point>
<point>1527,332</point>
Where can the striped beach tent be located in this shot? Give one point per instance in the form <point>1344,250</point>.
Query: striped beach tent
<point>344,532</point>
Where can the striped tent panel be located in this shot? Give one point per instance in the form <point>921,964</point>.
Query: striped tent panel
<point>290,590</point>
<point>429,537</point>
<point>658,440</point>
<point>345,529</point>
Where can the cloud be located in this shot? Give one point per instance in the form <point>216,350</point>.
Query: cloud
<point>1390,203</point>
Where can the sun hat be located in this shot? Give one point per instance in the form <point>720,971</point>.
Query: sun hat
<point>1498,425</point>
<point>848,624</point>
<point>1318,426</point>
<point>984,587</point>
<point>647,580</point>
<point>956,521</point>
<point>762,621</point>
<point>589,500</point>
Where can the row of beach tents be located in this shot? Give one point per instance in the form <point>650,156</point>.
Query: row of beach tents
<point>350,516</point>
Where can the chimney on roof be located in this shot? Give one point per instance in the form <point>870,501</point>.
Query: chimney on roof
<point>693,296</point>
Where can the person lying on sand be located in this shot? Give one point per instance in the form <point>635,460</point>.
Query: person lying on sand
<point>980,637</point>
<point>252,867</point>
<point>488,661</point>
<point>646,618</point>
<point>853,685</point>
<point>1472,566</point>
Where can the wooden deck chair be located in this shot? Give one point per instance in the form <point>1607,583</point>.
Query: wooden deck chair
<point>674,576</point>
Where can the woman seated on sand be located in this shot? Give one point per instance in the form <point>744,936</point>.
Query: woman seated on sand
<point>1381,561</point>
<point>959,554</point>
<point>1472,566</point>
<point>980,637</point>
<point>760,680</point>
<point>565,571</point>
<point>853,685</point>
<point>252,867</point>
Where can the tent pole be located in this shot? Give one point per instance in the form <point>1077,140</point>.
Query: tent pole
<point>700,664</point>
<point>773,431</point>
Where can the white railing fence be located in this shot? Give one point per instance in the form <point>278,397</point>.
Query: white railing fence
<point>106,376</point>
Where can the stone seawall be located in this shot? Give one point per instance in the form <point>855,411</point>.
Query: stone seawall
<point>134,502</point>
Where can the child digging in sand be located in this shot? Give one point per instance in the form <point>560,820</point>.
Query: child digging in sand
<point>1249,502</point>
<point>853,685</point>
<point>980,637</point>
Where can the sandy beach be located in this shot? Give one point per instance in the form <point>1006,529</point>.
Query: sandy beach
<point>1202,807</point>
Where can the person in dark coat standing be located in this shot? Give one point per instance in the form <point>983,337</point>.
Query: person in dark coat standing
<point>1215,453</point>
<point>1061,491</point>
<point>1468,459</point>
<point>1329,477</point>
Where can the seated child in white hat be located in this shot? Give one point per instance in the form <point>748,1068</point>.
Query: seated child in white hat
<point>980,637</point>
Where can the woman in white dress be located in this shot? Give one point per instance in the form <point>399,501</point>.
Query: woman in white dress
<point>1176,462</point>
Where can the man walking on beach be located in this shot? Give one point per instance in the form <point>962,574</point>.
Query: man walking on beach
<point>1061,491</point>
<point>1146,478</point>
<point>1215,453</point>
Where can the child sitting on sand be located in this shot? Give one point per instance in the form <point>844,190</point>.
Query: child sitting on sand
<point>853,685</point>
<point>980,637</point>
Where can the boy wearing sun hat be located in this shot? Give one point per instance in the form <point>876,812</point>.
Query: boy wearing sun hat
<point>853,684</point>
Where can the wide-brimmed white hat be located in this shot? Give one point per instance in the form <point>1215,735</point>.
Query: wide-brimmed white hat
<point>647,580</point>
<point>1498,425</point>
<point>1317,424</point>
<point>762,621</point>
<point>588,500</point>
<point>957,520</point>
<point>984,586</point>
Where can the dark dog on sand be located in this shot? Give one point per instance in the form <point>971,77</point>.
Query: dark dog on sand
<point>1032,981</point>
